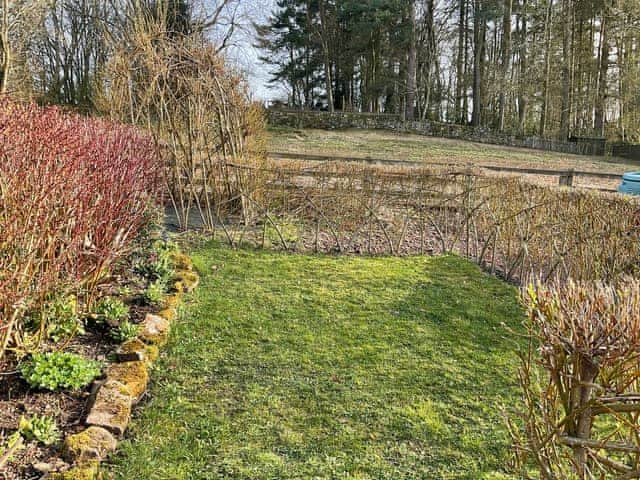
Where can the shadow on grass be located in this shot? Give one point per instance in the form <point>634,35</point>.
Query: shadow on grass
<point>305,367</point>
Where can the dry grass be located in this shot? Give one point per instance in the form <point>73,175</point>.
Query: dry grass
<point>393,146</point>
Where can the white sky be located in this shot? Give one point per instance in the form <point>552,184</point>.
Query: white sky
<point>245,55</point>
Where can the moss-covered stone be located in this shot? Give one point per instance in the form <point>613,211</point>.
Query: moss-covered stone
<point>188,279</point>
<point>92,444</point>
<point>89,471</point>
<point>179,287</point>
<point>172,301</point>
<point>137,351</point>
<point>152,352</point>
<point>112,408</point>
<point>168,313</point>
<point>133,375</point>
<point>155,330</point>
<point>181,261</point>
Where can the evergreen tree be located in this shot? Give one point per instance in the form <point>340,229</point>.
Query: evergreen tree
<point>556,68</point>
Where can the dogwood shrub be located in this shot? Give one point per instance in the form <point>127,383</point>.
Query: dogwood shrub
<point>74,193</point>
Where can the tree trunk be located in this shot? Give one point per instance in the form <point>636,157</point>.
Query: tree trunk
<point>523,103</point>
<point>410,108</point>
<point>506,60</point>
<point>565,113</point>
<point>324,40</point>
<point>460,63</point>
<point>479,28</point>
<point>600,110</point>
<point>547,70</point>
<point>5,50</point>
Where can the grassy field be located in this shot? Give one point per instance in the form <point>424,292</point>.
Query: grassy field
<point>310,367</point>
<point>390,145</point>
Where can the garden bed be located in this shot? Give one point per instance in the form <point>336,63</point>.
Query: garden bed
<point>69,407</point>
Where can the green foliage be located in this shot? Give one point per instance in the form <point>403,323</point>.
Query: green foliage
<point>40,428</point>
<point>112,310</point>
<point>52,371</point>
<point>60,318</point>
<point>9,444</point>
<point>125,291</point>
<point>125,331</point>
<point>286,232</point>
<point>335,367</point>
<point>155,263</point>
<point>154,293</point>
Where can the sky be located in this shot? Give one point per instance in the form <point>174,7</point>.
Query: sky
<point>246,56</point>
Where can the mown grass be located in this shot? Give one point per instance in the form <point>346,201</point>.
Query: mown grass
<point>395,146</point>
<point>317,367</point>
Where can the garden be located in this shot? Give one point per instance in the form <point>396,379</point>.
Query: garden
<point>174,304</point>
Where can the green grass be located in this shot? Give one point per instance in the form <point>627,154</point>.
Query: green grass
<point>317,367</point>
<point>395,146</point>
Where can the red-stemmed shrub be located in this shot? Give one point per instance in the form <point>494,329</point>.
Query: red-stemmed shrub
<point>74,193</point>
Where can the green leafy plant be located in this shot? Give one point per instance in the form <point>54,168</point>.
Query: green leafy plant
<point>112,310</point>
<point>125,331</point>
<point>61,318</point>
<point>56,319</point>
<point>10,447</point>
<point>40,428</point>
<point>125,291</point>
<point>52,371</point>
<point>156,263</point>
<point>155,292</point>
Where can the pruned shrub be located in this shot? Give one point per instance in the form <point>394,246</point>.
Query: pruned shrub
<point>580,378</point>
<point>74,194</point>
<point>512,228</point>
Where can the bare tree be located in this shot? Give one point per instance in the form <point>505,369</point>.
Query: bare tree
<point>19,20</point>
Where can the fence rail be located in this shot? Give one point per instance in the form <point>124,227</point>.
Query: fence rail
<point>345,120</point>
<point>565,177</point>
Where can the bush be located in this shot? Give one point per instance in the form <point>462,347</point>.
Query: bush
<point>40,428</point>
<point>125,331</point>
<point>512,228</point>
<point>112,310</point>
<point>157,263</point>
<point>52,371</point>
<point>60,317</point>
<point>154,293</point>
<point>201,112</point>
<point>579,378</point>
<point>74,193</point>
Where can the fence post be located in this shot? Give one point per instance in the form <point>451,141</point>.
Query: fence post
<point>566,178</point>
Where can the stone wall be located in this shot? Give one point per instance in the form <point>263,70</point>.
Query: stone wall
<point>345,120</point>
<point>626,150</point>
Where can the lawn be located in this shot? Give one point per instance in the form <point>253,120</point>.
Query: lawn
<point>302,367</point>
<point>395,146</point>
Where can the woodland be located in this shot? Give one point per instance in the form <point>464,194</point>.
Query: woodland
<point>552,68</point>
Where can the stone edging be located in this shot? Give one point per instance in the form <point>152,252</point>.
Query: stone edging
<point>125,383</point>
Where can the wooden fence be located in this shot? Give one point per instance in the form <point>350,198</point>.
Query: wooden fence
<point>565,177</point>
